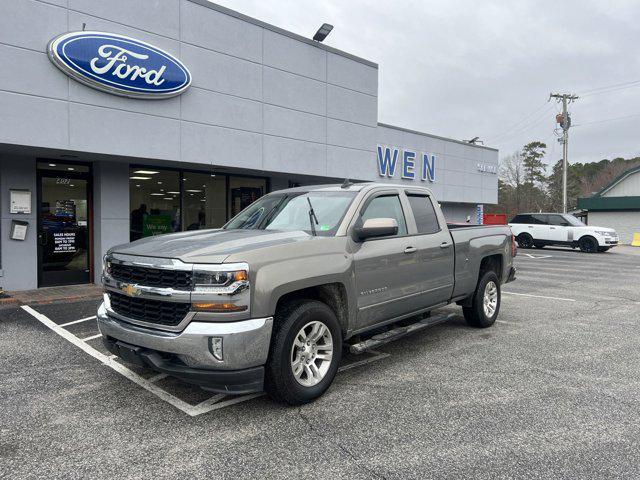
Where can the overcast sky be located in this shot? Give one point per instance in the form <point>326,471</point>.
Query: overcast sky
<point>466,68</point>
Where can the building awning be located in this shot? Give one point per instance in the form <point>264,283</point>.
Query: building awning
<point>609,203</point>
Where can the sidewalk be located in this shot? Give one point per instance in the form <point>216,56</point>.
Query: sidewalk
<point>69,293</point>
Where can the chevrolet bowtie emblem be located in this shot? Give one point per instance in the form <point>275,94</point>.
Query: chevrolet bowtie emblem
<point>129,290</point>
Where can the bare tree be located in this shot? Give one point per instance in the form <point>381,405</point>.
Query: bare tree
<point>512,174</point>
<point>617,167</point>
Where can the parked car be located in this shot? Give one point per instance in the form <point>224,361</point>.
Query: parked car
<point>541,229</point>
<point>270,300</point>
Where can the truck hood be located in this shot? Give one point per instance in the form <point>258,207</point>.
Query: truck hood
<point>208,246</point>
<point>591,228</point>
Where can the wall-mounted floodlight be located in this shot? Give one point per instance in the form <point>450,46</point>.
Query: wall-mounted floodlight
<point>322,32</point>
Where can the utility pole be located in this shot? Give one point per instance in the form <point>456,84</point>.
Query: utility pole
<point>565,123</point>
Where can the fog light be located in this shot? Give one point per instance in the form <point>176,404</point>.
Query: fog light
<point>215,345</point>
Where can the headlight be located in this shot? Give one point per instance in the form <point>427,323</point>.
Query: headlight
<point>220,288</point>
<point>223,279</point>
<point>604,233</point>
<point>106,265</point>
<point>207,280</point>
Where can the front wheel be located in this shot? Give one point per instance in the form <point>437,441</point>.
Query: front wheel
<point>588,244</point>
<point>485,304</point>
<point>305,352</point>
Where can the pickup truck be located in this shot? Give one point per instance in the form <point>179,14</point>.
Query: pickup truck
<point>269,301</point>
<point>562,229</point>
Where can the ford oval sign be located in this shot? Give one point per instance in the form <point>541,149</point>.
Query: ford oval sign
<point>119,65</point>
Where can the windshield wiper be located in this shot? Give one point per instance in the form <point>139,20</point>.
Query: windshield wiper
<point>312,218</point>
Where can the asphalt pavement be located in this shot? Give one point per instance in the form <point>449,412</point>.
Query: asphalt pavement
<point>550,391</point>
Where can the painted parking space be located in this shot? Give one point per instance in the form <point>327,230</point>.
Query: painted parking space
<point>189,399</point>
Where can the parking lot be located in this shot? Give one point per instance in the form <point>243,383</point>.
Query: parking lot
<point>551,391</point>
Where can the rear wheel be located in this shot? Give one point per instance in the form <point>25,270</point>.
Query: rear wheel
<point>588,244</point>
<point>485,304</point>
<point>305,352</point>
<point>525,240</point>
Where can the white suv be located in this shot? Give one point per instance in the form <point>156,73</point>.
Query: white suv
<point>540,229</point>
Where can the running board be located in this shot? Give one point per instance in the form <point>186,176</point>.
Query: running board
<point>398,332</point>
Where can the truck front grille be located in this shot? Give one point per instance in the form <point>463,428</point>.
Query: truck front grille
<point>152,277</point>
<point>149,311</point>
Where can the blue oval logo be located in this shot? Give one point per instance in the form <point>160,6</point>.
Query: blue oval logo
<point>119,65</point>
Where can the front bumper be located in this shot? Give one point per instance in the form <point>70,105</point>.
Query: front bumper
<point>187,354</point>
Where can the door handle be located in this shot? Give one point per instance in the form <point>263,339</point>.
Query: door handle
<point>552,228</point>
<point>445,245</point>
<point>529,226</point>
<point>410,250</point>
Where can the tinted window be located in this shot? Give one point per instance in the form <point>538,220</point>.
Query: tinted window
<point>558,220</point>
<point>540,219</point>
<point>424,213</point>
<point>387,206</point>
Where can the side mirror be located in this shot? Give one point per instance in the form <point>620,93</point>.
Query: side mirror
<point>376,227</point>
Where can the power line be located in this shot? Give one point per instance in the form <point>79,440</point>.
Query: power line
<point>608,120</point>
<point>610,88</point>
<point>519,123</point>
<point>522,127</point>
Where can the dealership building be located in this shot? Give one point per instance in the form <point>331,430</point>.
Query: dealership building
<point>153,119</point>
<point>616,205</point>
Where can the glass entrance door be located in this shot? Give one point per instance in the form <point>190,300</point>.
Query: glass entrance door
<point>64,245</point>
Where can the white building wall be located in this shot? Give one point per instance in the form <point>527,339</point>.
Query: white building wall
<point>627,187</point>
<point>19,257</point>
<point>261,98</point>
<point>625,223</point>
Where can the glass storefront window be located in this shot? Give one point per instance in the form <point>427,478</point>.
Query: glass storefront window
<point>165,201</point>
<point>204,201</point>
<point>154,201</point>
<point>243,191</point>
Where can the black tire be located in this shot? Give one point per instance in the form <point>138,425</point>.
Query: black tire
<point>280,382</point>
<point>588,244</point>
<point>525,240</point>
<point>604,249</point>
<point>475,314</point>
<point>538,245</point>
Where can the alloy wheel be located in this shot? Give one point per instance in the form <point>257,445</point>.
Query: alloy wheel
<point>311,353</point>
<point>490,299</point>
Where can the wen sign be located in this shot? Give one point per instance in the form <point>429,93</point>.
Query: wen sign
<point>119,65</point>
<point>407,162</point>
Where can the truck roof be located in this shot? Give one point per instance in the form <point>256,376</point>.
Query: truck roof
<point>355,187</point>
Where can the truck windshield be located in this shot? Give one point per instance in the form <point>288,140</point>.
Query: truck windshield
<point>291,212</point>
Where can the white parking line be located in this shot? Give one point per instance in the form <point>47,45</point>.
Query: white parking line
<point>77,321</point>
<point>213,403</point>
<point>109,362</point>
<point>92,337</point>
<point>540,296</point>
<point>536,256</point>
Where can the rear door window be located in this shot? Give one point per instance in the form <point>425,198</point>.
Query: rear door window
<point>540,219</point>
<point>424,214</point>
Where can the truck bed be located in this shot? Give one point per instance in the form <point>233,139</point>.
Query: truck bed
<point>472,243</point>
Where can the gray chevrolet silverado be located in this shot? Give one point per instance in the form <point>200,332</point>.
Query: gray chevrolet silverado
<point>270,300</point>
